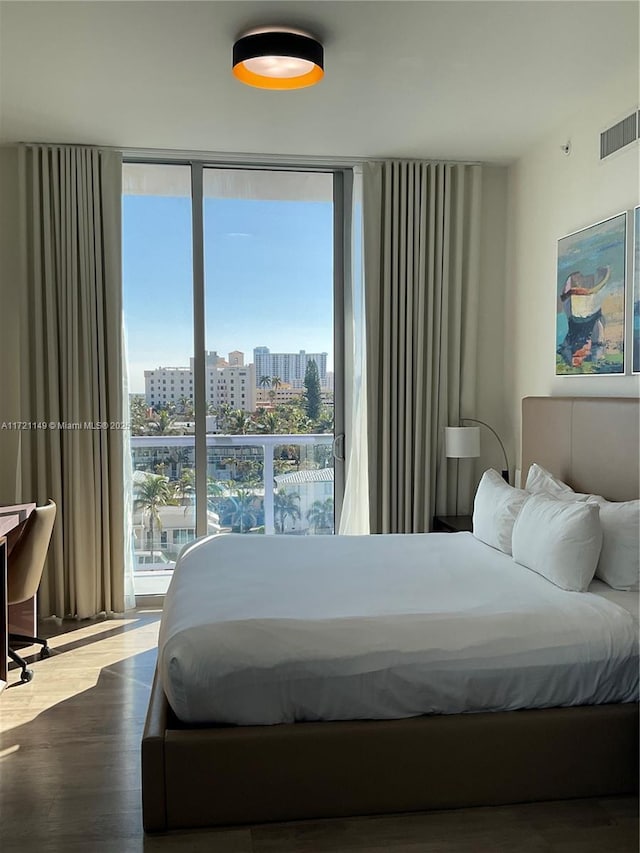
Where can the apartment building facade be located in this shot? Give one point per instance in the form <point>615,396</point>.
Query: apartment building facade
<point>227,382</point>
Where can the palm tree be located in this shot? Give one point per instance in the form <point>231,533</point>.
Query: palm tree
<point>240,422</point>
<point>269,422</point>
<point>215,489</point>
<point>162,423</point>
<point>223,415</point>
<point>152,493</point>
<point>285,505</point>
<point>243,469</point>
<point>249,471</point>
<point>185,487</point>
<point>138,414</point>
<point>265,382</point>
<point>290,452</point>
<point>276,382</point>
<point>180,457</point>
<point>185,406</point>
<point>320,515</point>
<point>244,515</point>
<point>215,494</point>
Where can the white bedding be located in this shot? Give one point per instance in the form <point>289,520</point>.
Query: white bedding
<point>629,600</point>
<point>262,630</point>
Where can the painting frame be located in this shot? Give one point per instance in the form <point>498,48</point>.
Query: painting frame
<point>591,291</point>
<point>635,295</point>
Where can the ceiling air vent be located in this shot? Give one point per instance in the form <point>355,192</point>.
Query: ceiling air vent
<point>621,134</point>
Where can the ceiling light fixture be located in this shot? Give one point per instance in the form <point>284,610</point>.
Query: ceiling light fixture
<point>276,58</point>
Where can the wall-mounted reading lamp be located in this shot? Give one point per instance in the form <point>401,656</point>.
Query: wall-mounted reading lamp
<point>464,442</point>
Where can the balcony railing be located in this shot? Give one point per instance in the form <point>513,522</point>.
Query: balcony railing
<point>288,492</point>
<point>251,489</point>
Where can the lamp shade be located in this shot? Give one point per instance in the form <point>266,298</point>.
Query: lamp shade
<point>462,442</point>
<point>278,59</point>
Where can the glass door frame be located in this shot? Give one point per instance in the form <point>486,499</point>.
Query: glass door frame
<point>342,202</point>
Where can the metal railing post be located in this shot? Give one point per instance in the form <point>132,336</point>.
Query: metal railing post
<point>267,473</point>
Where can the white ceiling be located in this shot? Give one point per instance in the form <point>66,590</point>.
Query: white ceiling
<point>462,80</point>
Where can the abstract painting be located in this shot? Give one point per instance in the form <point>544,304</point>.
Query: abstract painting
<point>591,299</point>
<point>636,290</point>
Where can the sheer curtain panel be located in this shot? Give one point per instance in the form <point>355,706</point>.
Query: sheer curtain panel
<point>71,357</point>
<point>354,519</point>
<point>421,251</point>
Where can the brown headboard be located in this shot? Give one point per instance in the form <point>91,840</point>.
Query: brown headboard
<point>592,443</point>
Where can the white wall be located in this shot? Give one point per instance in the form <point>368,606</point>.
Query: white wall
<point>551,195</point>
<point>9,321</point>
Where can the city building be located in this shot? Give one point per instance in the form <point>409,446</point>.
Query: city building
<point>234,386</point>
<point>313,487</point>
<point>166,385</point>
<point>266,397</point>
<point>289,367</point>
<point>228,382</point>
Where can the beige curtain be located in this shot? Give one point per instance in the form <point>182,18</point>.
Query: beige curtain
<point>421,252</point>
<point>71,355</point>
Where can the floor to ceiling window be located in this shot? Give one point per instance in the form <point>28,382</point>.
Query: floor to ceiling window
<point>229,311</point>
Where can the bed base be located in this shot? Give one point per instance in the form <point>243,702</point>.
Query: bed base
<point>228,775</point>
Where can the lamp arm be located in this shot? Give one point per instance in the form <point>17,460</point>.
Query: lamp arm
<point>504,452</point>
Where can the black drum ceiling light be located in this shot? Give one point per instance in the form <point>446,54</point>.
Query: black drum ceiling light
<point>274,58</point>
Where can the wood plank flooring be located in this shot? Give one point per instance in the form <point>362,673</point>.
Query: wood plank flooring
<point>70,774</point>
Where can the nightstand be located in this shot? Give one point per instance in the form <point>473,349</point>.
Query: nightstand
<point>452,524</point>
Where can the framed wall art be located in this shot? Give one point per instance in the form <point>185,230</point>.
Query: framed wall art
<point>590,313</point>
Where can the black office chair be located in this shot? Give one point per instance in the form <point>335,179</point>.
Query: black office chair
<point>25,568</point>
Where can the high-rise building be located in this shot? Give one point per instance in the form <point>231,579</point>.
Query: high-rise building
<point>289,367</point>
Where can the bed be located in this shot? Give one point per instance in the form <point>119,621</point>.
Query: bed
<point>324,738</point>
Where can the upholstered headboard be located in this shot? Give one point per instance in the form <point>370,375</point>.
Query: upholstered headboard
<point>592,443</point>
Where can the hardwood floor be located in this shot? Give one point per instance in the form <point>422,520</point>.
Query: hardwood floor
<point>70,773</point>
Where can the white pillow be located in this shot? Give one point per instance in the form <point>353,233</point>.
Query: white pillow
<point>560,540</point>
<point>495,509</point>
<point>541,481</point>
<point>619,563</point>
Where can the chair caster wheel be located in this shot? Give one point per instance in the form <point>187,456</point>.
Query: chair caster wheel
<point>26,675</point>
<point>45,652</point>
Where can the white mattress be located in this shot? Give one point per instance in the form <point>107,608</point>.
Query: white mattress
<point>271,629</point>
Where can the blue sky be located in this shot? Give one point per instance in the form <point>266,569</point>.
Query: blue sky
<point>268,278</point>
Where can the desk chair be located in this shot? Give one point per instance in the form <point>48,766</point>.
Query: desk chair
<point>24,572</point>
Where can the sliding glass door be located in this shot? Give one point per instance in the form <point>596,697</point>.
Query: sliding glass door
<point>268,250</point>
<point>158,312</point>
<point>230,279</point>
